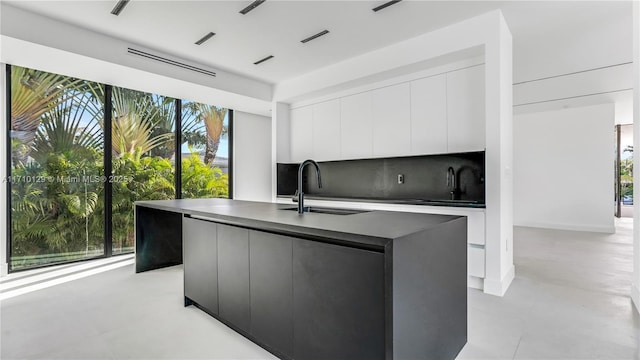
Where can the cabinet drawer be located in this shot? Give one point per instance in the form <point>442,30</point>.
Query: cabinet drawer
<point>475,228</point>
<point>475,261</point>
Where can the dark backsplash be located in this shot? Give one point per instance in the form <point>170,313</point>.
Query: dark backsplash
<point>425,178</point>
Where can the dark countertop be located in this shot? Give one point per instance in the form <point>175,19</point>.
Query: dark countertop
<point>371,229</point>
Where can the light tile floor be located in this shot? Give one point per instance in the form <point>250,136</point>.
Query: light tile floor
<point>569,300</point>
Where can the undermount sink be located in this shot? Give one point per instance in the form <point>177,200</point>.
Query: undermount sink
<point>330,211</point>
<point>454,201</point>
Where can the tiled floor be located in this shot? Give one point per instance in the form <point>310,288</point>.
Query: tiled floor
<point>569,300</point>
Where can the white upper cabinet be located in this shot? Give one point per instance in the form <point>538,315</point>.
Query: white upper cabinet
<point>301,134</point>
<point>438,114</point>
<point>326,130</point>
<point>392,120</point>
<point>429,115</point>
<point>465,109</point>
<point>356,140</point>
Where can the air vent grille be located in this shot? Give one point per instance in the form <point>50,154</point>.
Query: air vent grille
<point>251,6</point>
<point>321,33</point>
<point>263,60</point>
<point>205,38</point>
<point>169,61</point>
<point>385,5</point>
<point>119,7</point>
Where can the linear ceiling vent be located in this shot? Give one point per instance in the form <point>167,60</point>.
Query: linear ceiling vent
<point>385,5</point>
<point>205,38</point>
<point>169,61</point>
<point>119,7</point>
<point>263,60</point>
<point>251,6</point>
<point>321,33</point>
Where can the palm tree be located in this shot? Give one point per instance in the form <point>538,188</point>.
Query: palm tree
<point>213,118</point>
<point>134,121</point>
<point>33,93</point>
<point>194,115</point>
<point>72,125</point>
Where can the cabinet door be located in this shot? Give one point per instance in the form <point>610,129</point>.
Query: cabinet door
<point>356,128</point>
<point>392,120</point>
<point>326,130</point>
<point>271,290</point>
<point>200,263</point>
<point>302,134</point>
<point>233,275</point>
<point>338,302</point>
<point>429,115</point>
<point>465,109</point>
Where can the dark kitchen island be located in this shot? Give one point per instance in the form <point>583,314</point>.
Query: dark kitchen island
<point>331,284</point>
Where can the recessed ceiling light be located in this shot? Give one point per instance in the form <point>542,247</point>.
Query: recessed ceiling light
<point>119,7</point>
<point>387,4</point>
<point>205,38</point>
<point>251,6</point>
<point>321,33</point>
<point>263,60</point>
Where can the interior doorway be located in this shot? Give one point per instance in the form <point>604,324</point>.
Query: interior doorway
<point>624,171</point>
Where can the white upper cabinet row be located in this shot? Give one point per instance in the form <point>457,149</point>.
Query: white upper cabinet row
<point>438,114</point>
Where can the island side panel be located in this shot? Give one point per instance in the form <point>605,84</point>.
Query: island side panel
<point>430,292</point>
<point>158,238</point>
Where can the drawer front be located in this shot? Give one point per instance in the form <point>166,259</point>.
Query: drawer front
<point>475,228</point>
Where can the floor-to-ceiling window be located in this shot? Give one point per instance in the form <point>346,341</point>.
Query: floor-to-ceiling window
<point>56,158</point>
<point>71,200</point>
<point>143,149</point>
<point>205,150</point>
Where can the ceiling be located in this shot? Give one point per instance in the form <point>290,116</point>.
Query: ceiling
<point>276,27</point>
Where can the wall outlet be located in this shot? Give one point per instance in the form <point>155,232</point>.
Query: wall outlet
<point>400,179</point>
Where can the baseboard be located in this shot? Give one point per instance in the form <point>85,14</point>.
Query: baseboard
<point>499,288</point>
<point>475,282</point>
<point>571,227</point>
<point>635,297</point>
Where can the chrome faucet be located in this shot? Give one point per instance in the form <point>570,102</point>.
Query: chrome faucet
<point>451,182</point>
<point>300,192</point>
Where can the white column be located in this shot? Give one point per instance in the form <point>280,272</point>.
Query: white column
<point>499,142</point>
<point>280,139</point>
<point>635,288</point>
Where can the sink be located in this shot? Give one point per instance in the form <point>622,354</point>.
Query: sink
<point>331,211</point>
<point>454,201</point>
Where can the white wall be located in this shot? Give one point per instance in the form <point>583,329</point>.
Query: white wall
<point>251,157</point>
<point>564,169</point>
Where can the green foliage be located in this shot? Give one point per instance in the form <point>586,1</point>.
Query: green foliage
<point>200,180</point>
<point>626,174</point>
<point>57,195</point>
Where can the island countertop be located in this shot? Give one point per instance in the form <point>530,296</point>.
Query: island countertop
<point>372,229</point>
<point>367,285</point>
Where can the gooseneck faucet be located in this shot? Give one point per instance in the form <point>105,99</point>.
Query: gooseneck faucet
<point>451,182</point>
<point>300,192</point>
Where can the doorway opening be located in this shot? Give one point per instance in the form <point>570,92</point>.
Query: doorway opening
<point>624,171</point>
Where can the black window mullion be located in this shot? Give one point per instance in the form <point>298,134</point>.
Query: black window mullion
<point>230,160</point>
<point>8,163</point>
<point>108,169</point>
<point>178,149</point>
